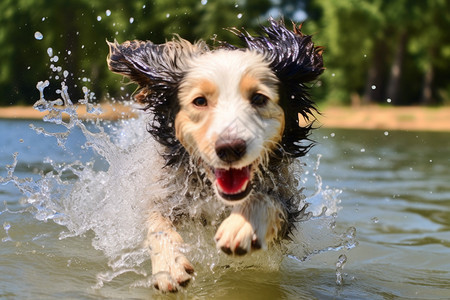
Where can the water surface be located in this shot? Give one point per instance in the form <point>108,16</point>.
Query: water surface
<point>389,188</point>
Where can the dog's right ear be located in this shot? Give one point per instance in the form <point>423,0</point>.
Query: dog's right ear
<point>130,59</point>
<point>158,69</point>
<point>155,67</point>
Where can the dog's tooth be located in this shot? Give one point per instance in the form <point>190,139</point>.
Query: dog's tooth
<point>244,187</point>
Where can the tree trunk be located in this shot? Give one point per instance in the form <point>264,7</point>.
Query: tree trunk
<point>428,78</point>
<point>393,89</point>
<point>373,90</point>
<point>427,92</point>
<point>71,43</point>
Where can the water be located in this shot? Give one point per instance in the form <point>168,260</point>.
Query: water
<point>72,211</point>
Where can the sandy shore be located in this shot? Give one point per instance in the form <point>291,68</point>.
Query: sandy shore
<point>391,118</point>
<point>365,117</point>
<point>110,112</point>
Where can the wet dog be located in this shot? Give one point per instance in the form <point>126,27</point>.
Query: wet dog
<point>232,115</point>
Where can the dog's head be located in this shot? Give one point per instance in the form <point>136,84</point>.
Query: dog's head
<point>231,109</point>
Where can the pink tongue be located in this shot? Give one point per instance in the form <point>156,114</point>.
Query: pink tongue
<point>233,180</point>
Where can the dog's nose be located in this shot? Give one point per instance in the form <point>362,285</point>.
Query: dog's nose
<point>230,150</point>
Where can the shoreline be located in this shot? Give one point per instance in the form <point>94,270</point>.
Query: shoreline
<point>364,117</point>
<point>373,117</point>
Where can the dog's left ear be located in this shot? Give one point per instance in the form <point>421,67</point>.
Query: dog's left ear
<point>295,60</point>
<point>292,55</point>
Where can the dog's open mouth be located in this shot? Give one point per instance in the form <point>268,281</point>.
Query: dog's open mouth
<point>233,184</point>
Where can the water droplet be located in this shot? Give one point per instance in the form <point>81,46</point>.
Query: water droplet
<point>332,134</point>
<point>339,267</point>
<point>388,100</point>
<point>108,12</point>
<point>38,35</point>
<point>43,19</point>
<point>131,20</point>
<point>239,16</point>
<point>363,150</point>
<point>168,15</point>
<point>6,226</point>
<point>204,2</point>
<point>50,52</point>
<point>386,133</point>
<point>99,18</point>
<point>65,73</point>
<point>332,75</point>
<point>373,87</point>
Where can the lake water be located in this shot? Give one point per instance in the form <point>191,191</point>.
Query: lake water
<point>386,233</point>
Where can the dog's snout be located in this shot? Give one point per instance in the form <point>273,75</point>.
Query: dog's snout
<point>230,150</point>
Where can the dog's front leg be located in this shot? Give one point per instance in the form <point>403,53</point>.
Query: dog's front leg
<point>170,268</point>
<point>250,226</point>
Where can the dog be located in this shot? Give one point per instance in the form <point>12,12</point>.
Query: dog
<point>229,115</point>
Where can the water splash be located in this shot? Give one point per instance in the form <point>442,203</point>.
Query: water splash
<point>6,227</point>
<point>110,193</point>
<point>342,260</point>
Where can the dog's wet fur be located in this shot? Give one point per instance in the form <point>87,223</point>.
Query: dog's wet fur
<point>232,115</point>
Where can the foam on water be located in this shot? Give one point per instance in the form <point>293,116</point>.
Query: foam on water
<point>111,193</point>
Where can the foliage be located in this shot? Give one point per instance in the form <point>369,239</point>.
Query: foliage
<point>76,31</point>
<point>374,49</point>
<point>384,51</point>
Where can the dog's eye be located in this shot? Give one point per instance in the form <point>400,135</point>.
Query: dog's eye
<point>200,101</point>
<point>259,99</point>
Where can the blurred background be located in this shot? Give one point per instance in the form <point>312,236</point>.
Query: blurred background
<point>376,51</point>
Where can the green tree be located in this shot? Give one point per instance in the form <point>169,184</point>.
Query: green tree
<point>76,31</point>
<point>379,49</point>
<point>431,46</point>
<point>347,44</point>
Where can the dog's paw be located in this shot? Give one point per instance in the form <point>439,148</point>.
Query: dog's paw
<point>173,275</point>
<point>171,269</point>
<point>236,235</point>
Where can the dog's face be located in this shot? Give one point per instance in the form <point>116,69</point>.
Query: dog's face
<point>229,108</point>
<point>229,117</point>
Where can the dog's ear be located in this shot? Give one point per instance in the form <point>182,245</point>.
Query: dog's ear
<point>291,54</point>
<point>158,69</point>
<point>296,61</point>
<point>155,67</point>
